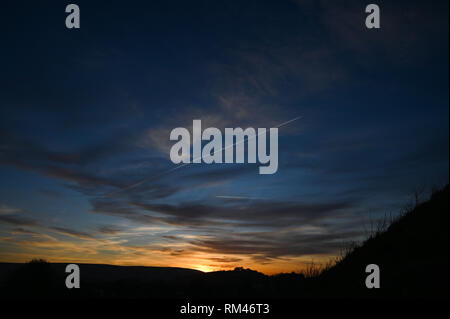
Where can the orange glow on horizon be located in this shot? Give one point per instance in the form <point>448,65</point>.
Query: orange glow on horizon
<point>269,269</point>
<point>111,252</point>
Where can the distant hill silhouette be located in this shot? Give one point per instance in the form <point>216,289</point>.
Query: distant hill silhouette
<point>42,279</point>
<point>412,254</point>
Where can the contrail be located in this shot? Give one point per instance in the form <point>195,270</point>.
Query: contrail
<point>184,164</point>
<point>235,197</point>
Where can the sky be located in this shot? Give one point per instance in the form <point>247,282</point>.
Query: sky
<point>86,115</point>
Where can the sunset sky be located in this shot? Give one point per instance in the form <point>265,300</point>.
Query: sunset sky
<point>85,118</point>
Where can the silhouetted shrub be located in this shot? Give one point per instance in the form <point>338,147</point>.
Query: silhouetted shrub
<point>34,279</point>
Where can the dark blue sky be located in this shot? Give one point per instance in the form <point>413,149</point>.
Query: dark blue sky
<point>86,113</point>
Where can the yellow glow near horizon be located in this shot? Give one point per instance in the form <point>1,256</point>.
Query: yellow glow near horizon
<point>204,268</point>
<point>110,252</point>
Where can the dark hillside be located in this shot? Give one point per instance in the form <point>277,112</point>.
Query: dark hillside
<point>412,255</point>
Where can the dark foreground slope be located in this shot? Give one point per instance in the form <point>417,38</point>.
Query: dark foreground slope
<point>412,255</point>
